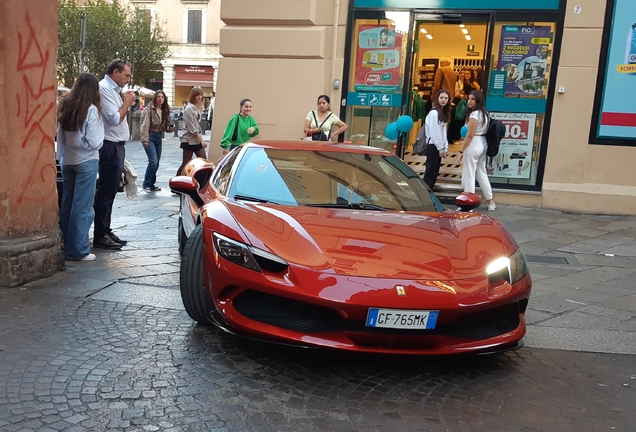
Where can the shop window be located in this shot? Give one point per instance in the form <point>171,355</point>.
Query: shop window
<point>517,96</point>
<point>614,112</point>
<point>376,79</point>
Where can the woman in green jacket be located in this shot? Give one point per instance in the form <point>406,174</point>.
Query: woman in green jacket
<point>240,128</point>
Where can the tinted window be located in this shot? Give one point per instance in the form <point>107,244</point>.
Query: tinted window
<point>307,177</point>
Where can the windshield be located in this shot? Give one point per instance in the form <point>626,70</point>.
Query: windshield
<point>330,179</point>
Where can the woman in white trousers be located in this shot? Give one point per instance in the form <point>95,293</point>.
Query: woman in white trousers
<point>472,155</point>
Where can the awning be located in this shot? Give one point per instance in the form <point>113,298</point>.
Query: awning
<point>189,76</point>
<point>188,83</point>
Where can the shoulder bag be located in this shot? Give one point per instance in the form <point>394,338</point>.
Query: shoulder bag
<point>320,136</point>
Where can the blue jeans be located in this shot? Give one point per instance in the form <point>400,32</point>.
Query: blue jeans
<point>76,211</point>
<point>153,150</point>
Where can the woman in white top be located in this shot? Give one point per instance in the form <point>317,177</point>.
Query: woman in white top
<point>473,151</point>
<point>436,135</point>
<point>80,135</point>
<point>320,122</point>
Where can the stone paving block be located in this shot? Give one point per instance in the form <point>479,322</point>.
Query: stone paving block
<point>627,303</point>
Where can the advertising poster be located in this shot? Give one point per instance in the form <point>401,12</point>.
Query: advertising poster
<point>523,55</point>
<point>378,59</point>
<point>515,150</point>
<point>618,110</point>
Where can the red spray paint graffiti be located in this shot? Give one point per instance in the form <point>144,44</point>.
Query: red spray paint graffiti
<point>34,104</point>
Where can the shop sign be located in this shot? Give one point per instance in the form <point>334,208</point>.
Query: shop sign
<point>515,150</point>
<point>378,54</point>
<point>616,115</point>
<point>523,55</point>
<point>374,99</point>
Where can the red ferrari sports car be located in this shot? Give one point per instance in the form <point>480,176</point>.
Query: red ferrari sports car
<point>340,246</point>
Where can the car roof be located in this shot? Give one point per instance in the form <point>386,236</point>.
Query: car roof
<point>317,146</point>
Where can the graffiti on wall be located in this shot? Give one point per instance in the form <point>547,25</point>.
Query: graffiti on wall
<point>35,102</point>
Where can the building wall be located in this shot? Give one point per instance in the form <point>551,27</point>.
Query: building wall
<point>29,233</point>
<point>279,54</point>
<point>579,176</point>
<point>171,15</point>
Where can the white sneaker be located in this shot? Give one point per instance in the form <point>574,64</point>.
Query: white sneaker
<point>492,206</point>
<point>89,257</point>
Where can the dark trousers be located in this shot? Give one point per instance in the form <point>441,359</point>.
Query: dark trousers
<point>433,161</point>
<point>111,165</point>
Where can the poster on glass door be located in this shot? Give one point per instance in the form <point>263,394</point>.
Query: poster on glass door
<point>523,55</point>
<point>378,56</point>
<point>514,159</point>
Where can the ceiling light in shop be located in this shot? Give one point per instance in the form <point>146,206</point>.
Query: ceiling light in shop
<point>429,36</point>
<point>468,37</point>
<point>465,31</point>
<point>462,25</point>
<point>423,30</point>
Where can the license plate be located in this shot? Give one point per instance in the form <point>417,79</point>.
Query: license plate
<point>402,319</point>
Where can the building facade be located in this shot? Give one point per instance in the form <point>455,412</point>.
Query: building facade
<point>193,30</point>
<point>557,73</point>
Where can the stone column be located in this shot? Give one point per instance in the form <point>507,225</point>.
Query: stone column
<point>29,233</point>
<point>168,84</point>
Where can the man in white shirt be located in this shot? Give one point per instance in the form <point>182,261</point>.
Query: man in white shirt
<point>113,152</point>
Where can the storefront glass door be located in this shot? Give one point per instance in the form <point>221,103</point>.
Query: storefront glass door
<point>449,53</point>
<point>397,60</point>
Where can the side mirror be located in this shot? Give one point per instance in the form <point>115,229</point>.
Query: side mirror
<point>188,186</point>
<point>467,201</point>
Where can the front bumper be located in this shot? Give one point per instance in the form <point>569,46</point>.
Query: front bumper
<point>314,309</point>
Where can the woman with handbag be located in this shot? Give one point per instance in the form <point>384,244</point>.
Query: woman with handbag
<point>436,135</point>
<point>240,128</point>
<point>192,143</point>
<point>80,136</point>
<point>320,122</point>
<point>155,120</point>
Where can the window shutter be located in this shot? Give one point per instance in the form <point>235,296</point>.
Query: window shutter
<point>194,26</point>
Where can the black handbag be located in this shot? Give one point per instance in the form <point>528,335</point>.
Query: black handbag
<point>320,136</point>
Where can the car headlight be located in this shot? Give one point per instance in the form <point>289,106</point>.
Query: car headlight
<point>512,268</point>
<point>247,256</point>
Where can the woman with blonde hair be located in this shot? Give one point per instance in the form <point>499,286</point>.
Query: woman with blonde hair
<point>192,141</point>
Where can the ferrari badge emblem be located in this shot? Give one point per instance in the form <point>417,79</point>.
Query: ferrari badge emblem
<point>400,290</point>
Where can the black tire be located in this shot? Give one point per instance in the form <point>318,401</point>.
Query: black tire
<point>193,292</point>
<point>181,236</point>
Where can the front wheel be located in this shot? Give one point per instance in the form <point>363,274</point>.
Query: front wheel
<point>193,292</point>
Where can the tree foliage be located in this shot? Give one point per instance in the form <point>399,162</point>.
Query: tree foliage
<point>112,31</point>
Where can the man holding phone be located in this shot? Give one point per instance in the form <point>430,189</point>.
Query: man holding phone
<point>113,152</point>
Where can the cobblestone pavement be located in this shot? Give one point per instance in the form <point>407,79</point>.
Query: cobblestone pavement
<point>106,345</point>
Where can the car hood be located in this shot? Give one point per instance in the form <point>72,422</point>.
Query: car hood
<point>388,244</point>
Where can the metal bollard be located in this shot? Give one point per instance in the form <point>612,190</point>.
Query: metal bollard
<point>176,128</point>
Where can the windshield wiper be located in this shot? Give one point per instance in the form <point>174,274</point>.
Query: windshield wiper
<point>254,199</point>
<point>356,206</point>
